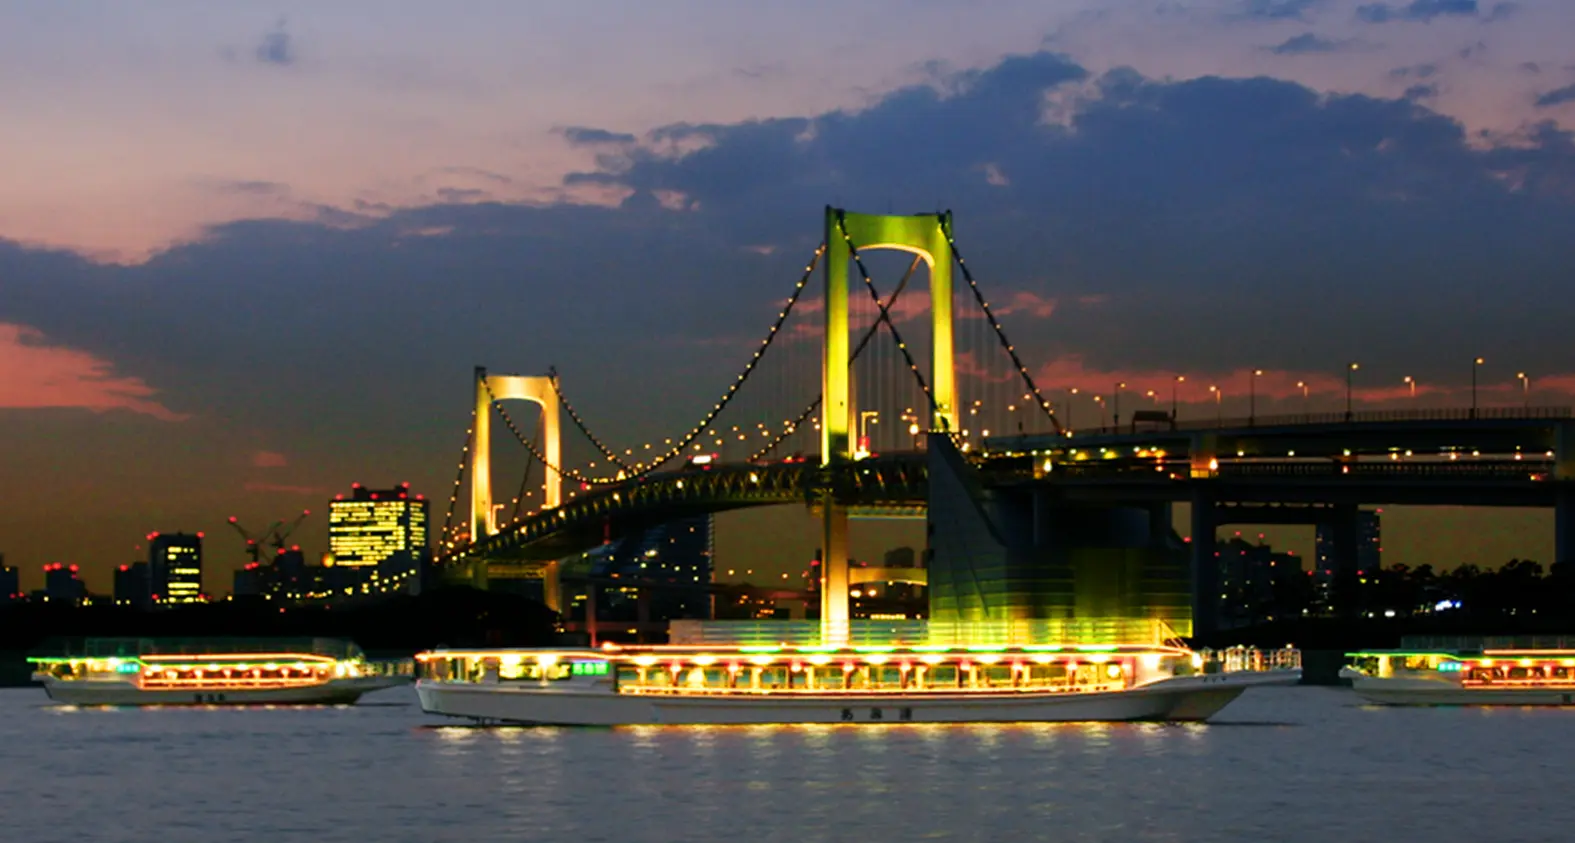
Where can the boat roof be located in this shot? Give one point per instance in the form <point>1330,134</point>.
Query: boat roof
<point>1508,653</point>
<point>806,651</point>
<point>206,647</point>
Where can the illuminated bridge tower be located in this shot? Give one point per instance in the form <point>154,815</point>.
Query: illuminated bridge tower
<point>539,390</point>
<point>924,235</point>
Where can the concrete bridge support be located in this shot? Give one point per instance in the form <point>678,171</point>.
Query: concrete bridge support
<point>1564,498</point>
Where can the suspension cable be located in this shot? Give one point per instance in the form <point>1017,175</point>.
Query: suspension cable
<point>562,472</point>
<point>643,469</point>
<point>552,377</point>
<point>519,498</point>
<point>1000,333</point>
<point>869,334</point>
<point>459,477</point>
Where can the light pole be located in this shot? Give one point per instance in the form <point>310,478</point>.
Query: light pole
<point>1117,392</point>
<point>1219,406</point>
<point>1525,388</point>
<point>1349,372</point>
<point>1411,382</point>
<point>1252,398</point>
<point>1100,400</point>
<point>866,417</point>
<point>1306,401</point>
<point>1069,393</point>
<point>1173,390</point>
<point>1474,366</point>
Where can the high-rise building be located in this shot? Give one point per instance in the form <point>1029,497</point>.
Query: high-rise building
<point>62,585</point>
<point>10,582</point>
<point>175,568</point>
<point>381,532</point>
<point>131,585</point>
<point>1369,543</point>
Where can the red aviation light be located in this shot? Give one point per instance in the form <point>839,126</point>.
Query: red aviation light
<point>73,568</point>
<point>125,567</point>
<point>199,534</point>
<point>233,519</point>
<point>405,484</point>
<point>355,485</point>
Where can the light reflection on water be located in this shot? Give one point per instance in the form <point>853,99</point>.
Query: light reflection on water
<point>1295,764</point>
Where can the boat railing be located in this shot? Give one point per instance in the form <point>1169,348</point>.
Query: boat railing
<point>1130,631</point>
<point>1237,659</point>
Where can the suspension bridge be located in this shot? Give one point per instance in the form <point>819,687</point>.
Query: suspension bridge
<point>1027,518</point>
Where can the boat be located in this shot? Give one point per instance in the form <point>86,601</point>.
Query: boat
<point>144,671</point>
<point>949,679</point>
<point>1477,676</point>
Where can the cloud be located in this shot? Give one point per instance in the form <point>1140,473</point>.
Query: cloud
<point>1418,71</point>
<point>269,459</point>
<point>1423,11</point>
<point>275,48</point>
<point>1277,9</point>
<point>1307,43</point>
<point>1558,96</point>
<point>1025,303</point>
<point>587,136</point>
<point>36,375</point>
<point>1420,92</point>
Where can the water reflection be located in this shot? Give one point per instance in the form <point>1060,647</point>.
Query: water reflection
<point>1340,771</point>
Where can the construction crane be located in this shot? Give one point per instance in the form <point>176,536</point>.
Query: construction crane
<point>275,535</point>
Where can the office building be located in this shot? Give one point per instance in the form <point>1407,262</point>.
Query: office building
<point>380,536</point>
<point>10,582</point>
<point>175,568</point>
<point>62,585</point>
<point>132,587</point>
<point>658,575</point>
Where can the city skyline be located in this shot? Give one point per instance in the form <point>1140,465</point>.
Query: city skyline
<point>247,259</point>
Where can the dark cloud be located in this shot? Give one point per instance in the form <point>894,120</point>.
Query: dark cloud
<point>1558,96</point>
<point>253,188</point>
<point>1225,222</point>
<point>1417,10</point>
<point>1530,67</point>
<point>586,136</point>
<point>276,48</point>
<point>1306,43</point>
<point>1503,11</point>
<point>1420,92</point>
<point>1417,71</point>
<point>1277,9</point>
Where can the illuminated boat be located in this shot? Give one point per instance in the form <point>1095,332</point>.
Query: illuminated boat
<point>1488,676</point>
<point>862,682</point>
<point>133,671</point>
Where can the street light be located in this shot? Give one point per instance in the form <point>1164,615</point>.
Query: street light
<point>1306,402</point>
<point>1120,385</point>
<point>1252,398</point>
<point>1411,382</point>
<point>1219,411</point>
<point>1525,387</point>
<point>1349,371</point>
<point>1100,400</point>
<point>1474,367</point>
<point>1173,387</point>
<point>1069,393</point>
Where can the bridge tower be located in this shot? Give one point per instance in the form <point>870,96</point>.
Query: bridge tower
<point>537,389</point>
<point>925,235</point>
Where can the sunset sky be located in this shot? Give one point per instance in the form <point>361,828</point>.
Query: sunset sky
<point>249,253</point>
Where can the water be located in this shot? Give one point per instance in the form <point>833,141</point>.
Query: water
<point>1283,764</point>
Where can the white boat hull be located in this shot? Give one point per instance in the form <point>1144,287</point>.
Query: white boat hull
<point>1425,692</point>
<point>333,691</point>
<point>1191,698</point>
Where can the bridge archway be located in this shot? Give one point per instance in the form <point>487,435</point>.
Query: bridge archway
<point>925,235</point>
<point>537,389</point>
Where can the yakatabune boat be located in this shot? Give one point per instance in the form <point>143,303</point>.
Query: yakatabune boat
<point>1488,676</point>
<point>150,671</point>
<point>864,681</point>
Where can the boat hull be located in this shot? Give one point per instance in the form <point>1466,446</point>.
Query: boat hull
<point>1183,699</point>
<point>331,692</point>
<point>1408,692</point>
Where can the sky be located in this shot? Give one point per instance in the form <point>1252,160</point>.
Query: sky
<point>250,253</point>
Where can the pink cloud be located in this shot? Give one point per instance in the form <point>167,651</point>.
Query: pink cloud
<point>269,459</point>
<point>35,375</point>
<point>1025,303</point>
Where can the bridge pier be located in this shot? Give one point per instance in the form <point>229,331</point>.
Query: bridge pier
<point>834,614</point>
<point>1205,565</point>
<point>1564,498</point>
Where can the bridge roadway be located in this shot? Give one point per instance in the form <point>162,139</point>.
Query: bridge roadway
<point>1265,470</point>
